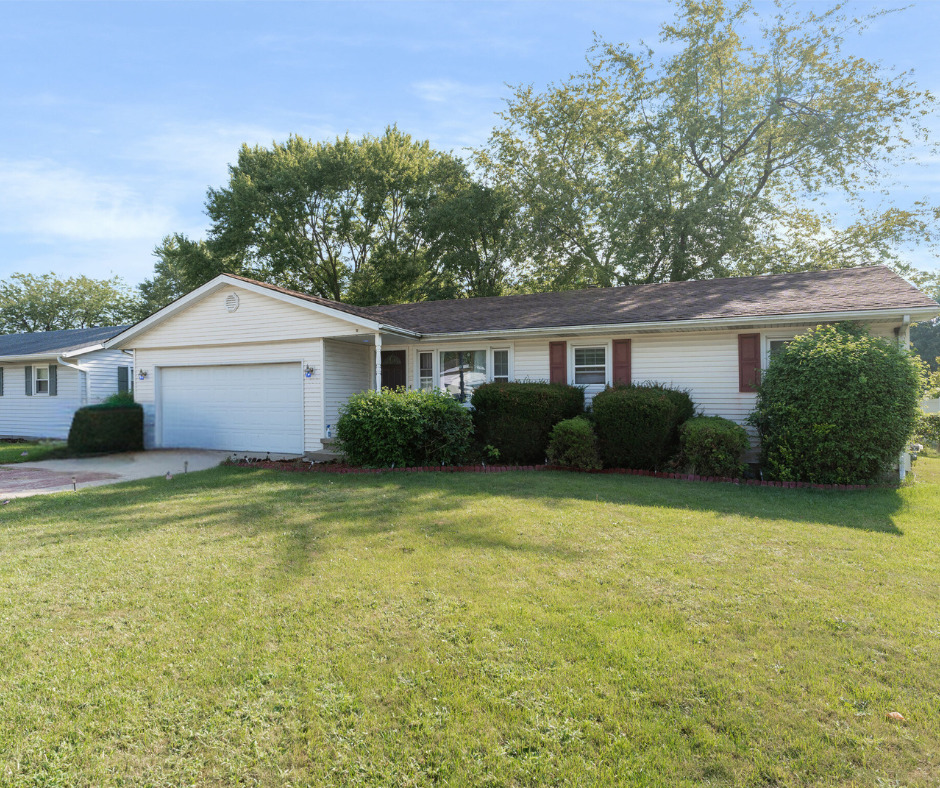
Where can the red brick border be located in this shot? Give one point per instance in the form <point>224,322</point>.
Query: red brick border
<point>322,467</point>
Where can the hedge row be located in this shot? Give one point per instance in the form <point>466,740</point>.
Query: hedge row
<point>517,418</point>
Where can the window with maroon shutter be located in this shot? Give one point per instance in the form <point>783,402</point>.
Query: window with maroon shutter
<point>558,362</point>
<point>621,361</point>
<point>748,362</point>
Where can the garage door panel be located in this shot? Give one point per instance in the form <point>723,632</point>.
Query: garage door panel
<point>245,407</point>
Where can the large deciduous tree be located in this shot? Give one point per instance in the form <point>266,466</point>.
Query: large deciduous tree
<point>709,161</point>
<point>370,220</point>
<point>45,302</point>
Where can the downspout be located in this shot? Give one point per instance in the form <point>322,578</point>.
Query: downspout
<point>904,340</point>
<point>81,371</point>
<point>378,362</point>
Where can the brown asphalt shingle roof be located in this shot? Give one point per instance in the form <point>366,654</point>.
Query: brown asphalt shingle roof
<point>842,290</point>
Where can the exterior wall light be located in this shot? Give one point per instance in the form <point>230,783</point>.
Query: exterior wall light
<point>142,374</point>
<point>309,371</point>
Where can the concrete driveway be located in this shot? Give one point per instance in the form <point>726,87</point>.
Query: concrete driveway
<point>48,476</point>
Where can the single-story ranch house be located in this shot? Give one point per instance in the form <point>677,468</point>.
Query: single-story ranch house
<point>45,376</point>
<point>241,365</point>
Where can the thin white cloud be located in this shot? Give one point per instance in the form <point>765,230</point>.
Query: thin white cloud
<point>46,200</point>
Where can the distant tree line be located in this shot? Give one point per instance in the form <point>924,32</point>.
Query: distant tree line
<point>703,162</point>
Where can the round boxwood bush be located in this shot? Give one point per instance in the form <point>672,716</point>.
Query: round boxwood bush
<point>573,444</point>
<point>713,446</point>
<point>403,428</point>
<point>517,418</point>
<point>637,426</point>
<point>113,425</point>
<point>837,406</point>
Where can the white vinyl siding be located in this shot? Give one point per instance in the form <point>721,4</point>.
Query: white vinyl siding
<point>38,416</point>
<point>259,318</point>
<point>348,370</point>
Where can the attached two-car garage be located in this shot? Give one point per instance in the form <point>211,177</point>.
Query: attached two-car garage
<point>233,407</point>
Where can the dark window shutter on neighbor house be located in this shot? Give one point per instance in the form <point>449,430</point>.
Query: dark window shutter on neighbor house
<point>748,362</point>
<point>1,381</point>
<point>558,362</point>
<point>29,381</point>
<point>621,361</point>
<point>53,380</point>
<point>123,379</point>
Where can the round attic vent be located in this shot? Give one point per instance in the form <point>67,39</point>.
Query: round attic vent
<point>231,302</point>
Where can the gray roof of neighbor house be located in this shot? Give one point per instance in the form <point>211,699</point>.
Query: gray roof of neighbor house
<point>54,343</point>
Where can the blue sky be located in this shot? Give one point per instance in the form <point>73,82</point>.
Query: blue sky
<point>116,117</point>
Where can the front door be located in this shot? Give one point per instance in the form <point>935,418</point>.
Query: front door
<point>393,369</point>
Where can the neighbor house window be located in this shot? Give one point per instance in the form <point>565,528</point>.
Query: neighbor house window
<point>426,371</point>
<point>42,380</point>
<point>501,366</point>
<point>462,371</point>
<point>590,366</point>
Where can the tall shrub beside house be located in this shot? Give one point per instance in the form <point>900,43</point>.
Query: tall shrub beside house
<point>638,426</point>
<point>837,406</point>
<point>111,426</point>
<point>517,418</point>
<point>403,428</point>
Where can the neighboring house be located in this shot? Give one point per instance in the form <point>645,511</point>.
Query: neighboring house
<point>245,366</point>
<point>45,376</point>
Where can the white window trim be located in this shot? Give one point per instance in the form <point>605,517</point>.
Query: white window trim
<point>436,350</point>
<point>36,391</point>
<point>766,339</point>
<point>608,360</point>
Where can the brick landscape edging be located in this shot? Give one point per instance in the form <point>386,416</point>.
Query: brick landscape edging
<point>323,467</point>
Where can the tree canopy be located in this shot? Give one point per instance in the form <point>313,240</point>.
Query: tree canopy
<point>45,302</point>
<point>369,220</point>
<point>708,161</point>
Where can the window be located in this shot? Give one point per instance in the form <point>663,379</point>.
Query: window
<point>501,366</point>
<point>776,345</point>
<point>42,380</point>
<point>590,366</point>
<point>462,371</point>
<point>426,371</point>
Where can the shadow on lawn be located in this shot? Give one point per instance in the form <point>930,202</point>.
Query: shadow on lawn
<point>228,503</point>
<point>266,501</point>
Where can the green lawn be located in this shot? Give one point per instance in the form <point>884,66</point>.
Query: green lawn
<point>35,450</point>
<point>248,627</point>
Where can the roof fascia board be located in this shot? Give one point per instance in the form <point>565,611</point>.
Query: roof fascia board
<point>54,353</point>
<point>703,324</point>
<point>220,281</point>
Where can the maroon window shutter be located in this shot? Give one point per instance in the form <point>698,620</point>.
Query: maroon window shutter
<point>558,362</point>
<point>748,362</point>
<point>622,361</point>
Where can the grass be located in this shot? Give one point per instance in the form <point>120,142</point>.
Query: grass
<point>35,450</point>
<point>249,627</point>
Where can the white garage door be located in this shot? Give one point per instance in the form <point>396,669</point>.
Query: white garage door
<point>250,407</point>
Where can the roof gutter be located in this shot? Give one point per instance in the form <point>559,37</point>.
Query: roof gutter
<point>702,324</point>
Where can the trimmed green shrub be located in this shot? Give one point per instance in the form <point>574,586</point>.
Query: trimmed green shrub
<point>713,446</point>
<point>837,406</point>
<point>517,418</point>
<point>403,428</point>
<point>637,426</point>
<point>108,427</point>
<point>573,444</point>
